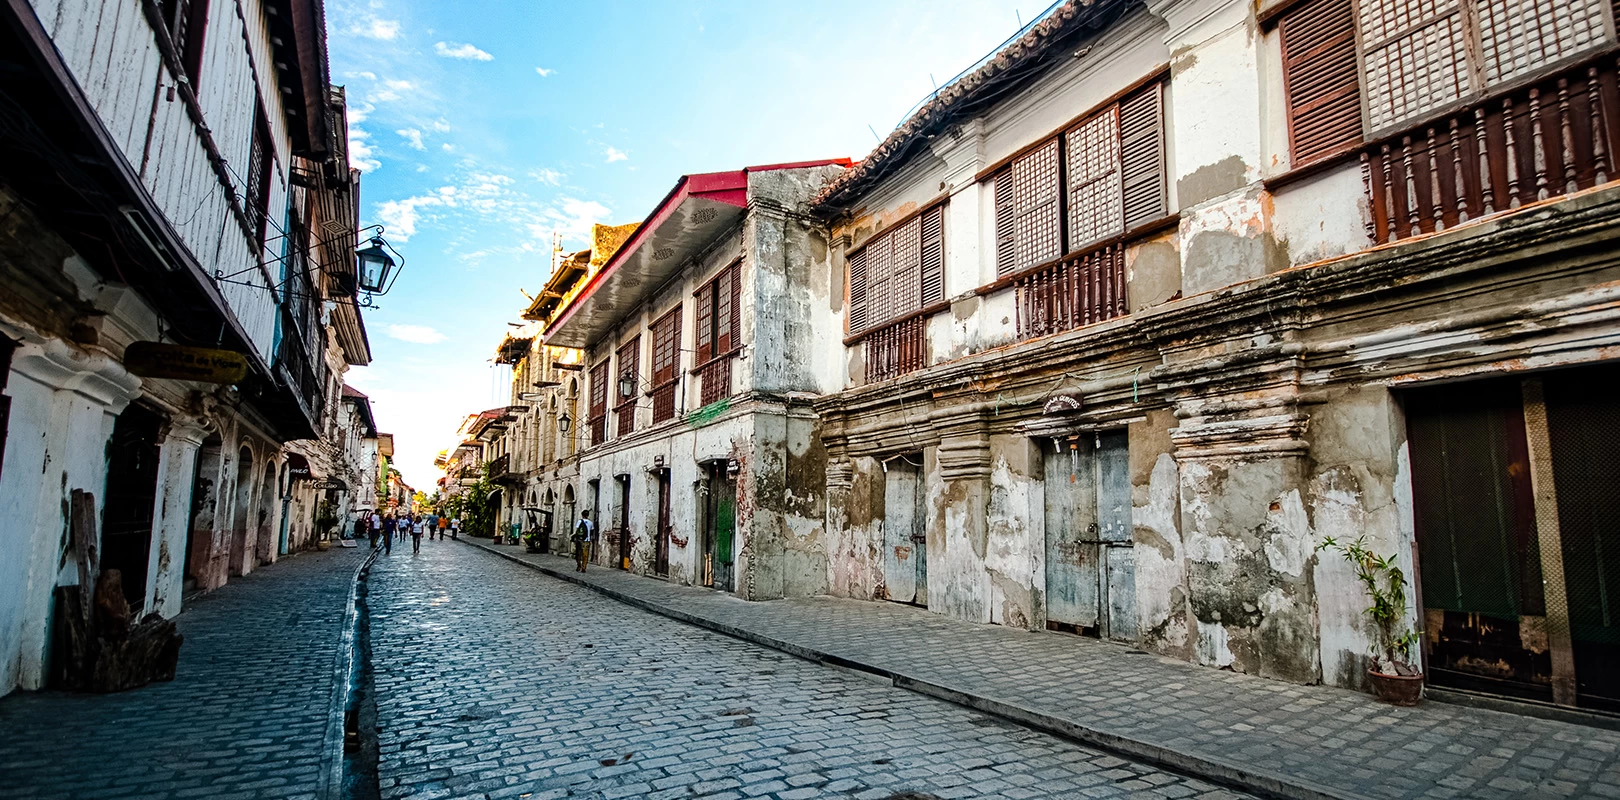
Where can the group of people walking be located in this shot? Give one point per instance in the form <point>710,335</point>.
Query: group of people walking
<point>383,528</point>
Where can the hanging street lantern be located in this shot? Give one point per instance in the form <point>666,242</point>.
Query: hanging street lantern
<point>375,266</point>
<point>627,385</point>
<point>563,422</point>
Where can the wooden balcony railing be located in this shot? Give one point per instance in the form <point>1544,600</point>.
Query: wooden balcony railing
<point>1081,289</point>
<point>715,378</point>
<point>896,349</point>
<point>663,399</point>
<point>306,375</point>
<point>1544,140</point>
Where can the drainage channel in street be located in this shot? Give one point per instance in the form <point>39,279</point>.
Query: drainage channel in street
<point>360,708</point>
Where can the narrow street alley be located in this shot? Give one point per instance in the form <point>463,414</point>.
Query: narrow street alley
<point>247,714</point>
<point>495,681</point>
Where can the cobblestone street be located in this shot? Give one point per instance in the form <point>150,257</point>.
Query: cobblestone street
<point>495,681</point>
<point>245,717</point>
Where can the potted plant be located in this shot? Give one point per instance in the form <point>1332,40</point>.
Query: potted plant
<point>1394,679</point>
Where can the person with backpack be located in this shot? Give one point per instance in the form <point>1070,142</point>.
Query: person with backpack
<point>584,536</point>
<point>390,524</point>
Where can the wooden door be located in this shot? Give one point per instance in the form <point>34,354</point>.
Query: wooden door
<point>1114,528</point>
<point>905,545</point>
<point>1072,569</point>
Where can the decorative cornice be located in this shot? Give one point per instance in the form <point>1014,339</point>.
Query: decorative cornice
<point>95,376</point>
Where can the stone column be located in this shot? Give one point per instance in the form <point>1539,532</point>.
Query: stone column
<point>171,519</point>
<point>64,402</point>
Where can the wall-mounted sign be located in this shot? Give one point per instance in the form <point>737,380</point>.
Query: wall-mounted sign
<point>297,467</point>
<point>205,364</point>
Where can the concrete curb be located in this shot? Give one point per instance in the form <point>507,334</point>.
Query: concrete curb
<point>330,785</point>
<point>1249,779</point>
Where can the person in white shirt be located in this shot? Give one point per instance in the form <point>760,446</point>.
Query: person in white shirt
<point>584,536</point>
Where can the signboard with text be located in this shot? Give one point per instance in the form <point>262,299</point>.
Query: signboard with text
<point>204,364</point>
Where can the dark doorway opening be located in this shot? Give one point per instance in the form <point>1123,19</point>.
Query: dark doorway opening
<point>1516,504</point>
<point>132,472</point>
<point>661,545</point>
<point>621,525</point>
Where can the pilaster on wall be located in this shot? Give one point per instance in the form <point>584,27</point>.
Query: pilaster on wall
<point>64,403</point>
<point>1217,114</point>
<point>171,522</point>
<point>1240,449</point>
<point>958,496</point>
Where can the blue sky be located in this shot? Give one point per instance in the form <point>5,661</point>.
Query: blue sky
<point>483,126</point>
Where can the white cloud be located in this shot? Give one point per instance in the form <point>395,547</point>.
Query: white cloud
<point>615,154</point>
<point>448,147</point>
<point>412,137</point>
<point>415,334</point>
<point>441,125</point>
<point>462,51</point>
<point>392,90</point>
<point>547,176</point>
<point>385,30</point>
<point>544,73</point>
<point>361,154</point>
<point>572,216</point>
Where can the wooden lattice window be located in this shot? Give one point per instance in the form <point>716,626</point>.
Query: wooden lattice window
<point>261,160</point>
<point>1113,178</point>
<point>599,396</point>
<point>185,21</point>
<point>719,329</point>
<point>1028,217</point>
<point>899,272</point>
<point>629,355</point>
<point>666,364</point>
<point>1417,57</point>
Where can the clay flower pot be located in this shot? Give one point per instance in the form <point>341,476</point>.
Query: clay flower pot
<point>1397,690</point>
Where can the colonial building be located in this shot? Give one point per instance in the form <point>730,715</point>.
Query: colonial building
<point>177,219</point>
<point>1163,294</point>
<point>695,428</point>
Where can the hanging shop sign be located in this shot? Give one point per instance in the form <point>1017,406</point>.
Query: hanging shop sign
<point>204,364</point>
<point>297,467</point>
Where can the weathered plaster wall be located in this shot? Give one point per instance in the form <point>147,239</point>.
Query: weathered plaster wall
<point>1161,553</point>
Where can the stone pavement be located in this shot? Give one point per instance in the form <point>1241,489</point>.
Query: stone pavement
<point>246,715</point>
<point>492,681</point>
<point>1279,738</point>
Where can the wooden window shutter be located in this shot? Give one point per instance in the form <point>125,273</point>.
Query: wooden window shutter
<point>1520,36</point>
<point>879,273</point>
<point>858,310</point>
<point>1006,250</point>
<point>705,323</point>
<point>1035,207</point>
<point>933,256</point>
<point>256,195</point>
<point>1095,202</point>
<point>666,347</point>
<point>1141,156</point>
<point>1320,77</point>
<point>630,364</point>
<point>905,287</point>
<point>1414,57</point>
<point>724,286</point>
<point>599,389</point>
<point>736,305</point>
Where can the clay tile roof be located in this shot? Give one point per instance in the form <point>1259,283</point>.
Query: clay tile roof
<point>350,391</point>
<point>1006,70</point>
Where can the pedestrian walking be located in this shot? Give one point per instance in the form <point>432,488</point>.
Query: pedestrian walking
<point>374,530</point>
<point>389,526</point>
<point>444,527</point>
<point>584,536</point>
<point>455,528</point>
<point>416,536</point>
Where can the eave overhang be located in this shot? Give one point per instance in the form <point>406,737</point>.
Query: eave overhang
<point>689,219</point>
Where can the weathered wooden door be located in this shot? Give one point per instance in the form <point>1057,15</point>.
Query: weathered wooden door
<point>719,528</point>
<point>661,548</point>
<point>1090,559</point>
<point>132,472</point>
<point>905,539</point>
<point>622,524</point>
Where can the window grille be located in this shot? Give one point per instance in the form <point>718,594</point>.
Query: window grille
<point>666,364</point>
<point>899,272</point>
